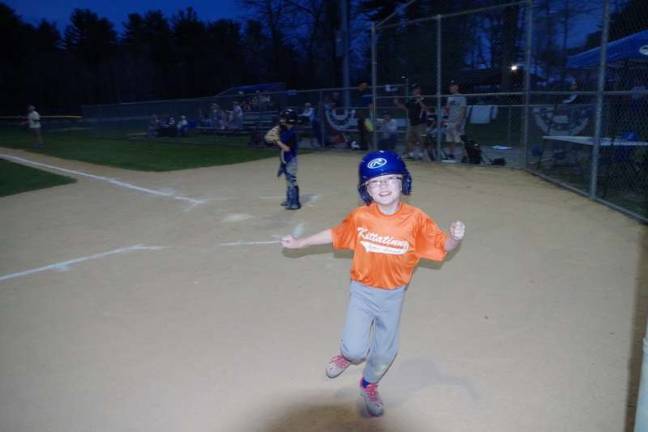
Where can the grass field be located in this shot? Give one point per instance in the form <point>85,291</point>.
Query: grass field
<point>16,178</point>
<point>158,154</point>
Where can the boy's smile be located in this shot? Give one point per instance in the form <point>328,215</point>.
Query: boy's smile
<point>385,191</point>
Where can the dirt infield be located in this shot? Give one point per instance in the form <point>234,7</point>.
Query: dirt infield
<point>135,301</point>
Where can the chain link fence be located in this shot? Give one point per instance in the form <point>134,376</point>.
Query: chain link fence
<point>558,88</point>
<point>588,113</point>
<point>554,87</point>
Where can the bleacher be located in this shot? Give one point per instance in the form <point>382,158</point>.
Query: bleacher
<point>252,121</point>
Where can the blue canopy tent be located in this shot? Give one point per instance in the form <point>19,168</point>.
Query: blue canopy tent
<point>629,48</point>
<point>627,63</point>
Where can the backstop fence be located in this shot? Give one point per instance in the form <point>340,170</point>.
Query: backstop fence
<point>555,87</point>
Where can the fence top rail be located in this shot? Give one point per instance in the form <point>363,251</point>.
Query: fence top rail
<point>215,98</point>
<point>454,14</point>
<point>590,92</point>
<point>434,95</point>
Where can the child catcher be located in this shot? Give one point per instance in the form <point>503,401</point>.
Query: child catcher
<point>388,238</point>
<point>284,136</point>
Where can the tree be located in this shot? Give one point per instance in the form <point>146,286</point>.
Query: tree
<point>257,52</point>
<point>278,19</point>
<point>148,56</point>
<point>226,54</point>
<point>15,51</point>
<point>189,37</point>
<point>92,41</point>
<point>630,18</point>
<point>90,38</point>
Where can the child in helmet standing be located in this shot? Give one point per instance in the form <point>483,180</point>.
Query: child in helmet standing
<point>285,137</point>
<point>388,238</point>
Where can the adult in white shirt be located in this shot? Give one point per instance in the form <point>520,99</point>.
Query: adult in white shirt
<point>34,124</point>
<point>456,111</point>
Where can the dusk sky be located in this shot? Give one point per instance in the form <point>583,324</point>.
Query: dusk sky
<point>59,11</point>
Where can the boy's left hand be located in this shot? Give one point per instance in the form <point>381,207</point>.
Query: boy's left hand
<point>457,230</point>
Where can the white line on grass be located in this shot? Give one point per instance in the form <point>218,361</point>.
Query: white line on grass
<point>110,180</point>
<point>65,265</point>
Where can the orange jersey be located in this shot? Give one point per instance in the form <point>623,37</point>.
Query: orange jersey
<point>388,247</point>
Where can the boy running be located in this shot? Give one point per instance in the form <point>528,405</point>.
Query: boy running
<point>388,238</point>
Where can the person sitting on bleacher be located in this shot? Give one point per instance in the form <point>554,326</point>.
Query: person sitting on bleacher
<point>153,127</point>
<point>218,117</point>
<point>168,129</point>
<point>183,126</point>
<point>265,103</point>
<point>236,117</point>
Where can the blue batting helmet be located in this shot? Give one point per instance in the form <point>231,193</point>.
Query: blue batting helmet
<point>379,163</point>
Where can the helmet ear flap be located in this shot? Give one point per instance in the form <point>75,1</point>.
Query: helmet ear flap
<point>364,195</point>
<point>407,183</point>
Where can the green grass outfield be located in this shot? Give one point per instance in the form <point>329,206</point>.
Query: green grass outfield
<point>16,178</point>
<point>154,154</point>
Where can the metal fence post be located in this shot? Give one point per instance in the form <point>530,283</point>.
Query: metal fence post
<point>641,415</point>
<point>374,86</point>
<point>527,83</point>
<point>508,128</point>
<point>321,107</point>
<point>600,89</point>
<point>439,115</point>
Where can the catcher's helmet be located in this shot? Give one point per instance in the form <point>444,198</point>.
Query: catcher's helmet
<point>379,163</point>
<point>288,116</point>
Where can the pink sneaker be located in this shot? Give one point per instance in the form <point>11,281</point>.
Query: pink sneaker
<point>372,399</point>
<point>336,366</point>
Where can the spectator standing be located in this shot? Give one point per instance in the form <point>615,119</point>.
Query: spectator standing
<point>308,114</point>
<point>363,113</point>
<point>417,119</point>
<point>33,122</point>
<point>456,111</point>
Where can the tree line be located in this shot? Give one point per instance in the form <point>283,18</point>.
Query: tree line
<point>291,41</point>
<point>157,57</point>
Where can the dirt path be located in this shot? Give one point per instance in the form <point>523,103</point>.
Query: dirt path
<point>150,313</point>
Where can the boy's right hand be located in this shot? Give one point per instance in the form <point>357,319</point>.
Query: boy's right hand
<point>290,242</point>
